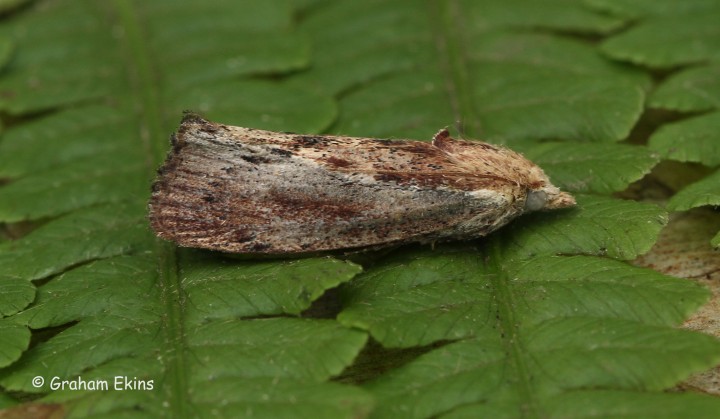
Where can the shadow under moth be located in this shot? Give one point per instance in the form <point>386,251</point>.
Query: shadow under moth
<point>245,190</point>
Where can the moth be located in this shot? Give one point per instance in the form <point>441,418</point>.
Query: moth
<point>244,190</point>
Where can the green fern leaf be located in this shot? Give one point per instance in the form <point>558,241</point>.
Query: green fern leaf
<point>542,318</point>
<point>695,89</point>
<point>691,40</point>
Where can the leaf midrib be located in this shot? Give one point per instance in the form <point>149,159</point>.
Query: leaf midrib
<point>511,339</point>
<point>454,63</point>
<point>449,40</point>
<point>151,132</point>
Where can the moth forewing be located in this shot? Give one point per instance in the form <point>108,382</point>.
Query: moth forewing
<point>244,190</point>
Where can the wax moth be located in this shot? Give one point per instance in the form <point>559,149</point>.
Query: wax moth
<point>245,190</point>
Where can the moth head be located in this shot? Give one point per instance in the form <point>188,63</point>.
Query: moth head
<point>547,197</point>
<point>543,195</point>
<point>503,163</point>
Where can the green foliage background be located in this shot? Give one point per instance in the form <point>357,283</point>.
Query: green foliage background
<point>541,319</point>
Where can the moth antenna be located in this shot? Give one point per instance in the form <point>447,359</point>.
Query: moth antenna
<point>460,127</point>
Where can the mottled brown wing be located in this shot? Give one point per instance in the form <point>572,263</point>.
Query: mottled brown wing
<point>221,192</point>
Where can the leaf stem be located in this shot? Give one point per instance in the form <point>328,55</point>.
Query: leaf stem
<point>509,327</point>
<point>151,132</point>
<point>449,37</point>
<point>144,81</point>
